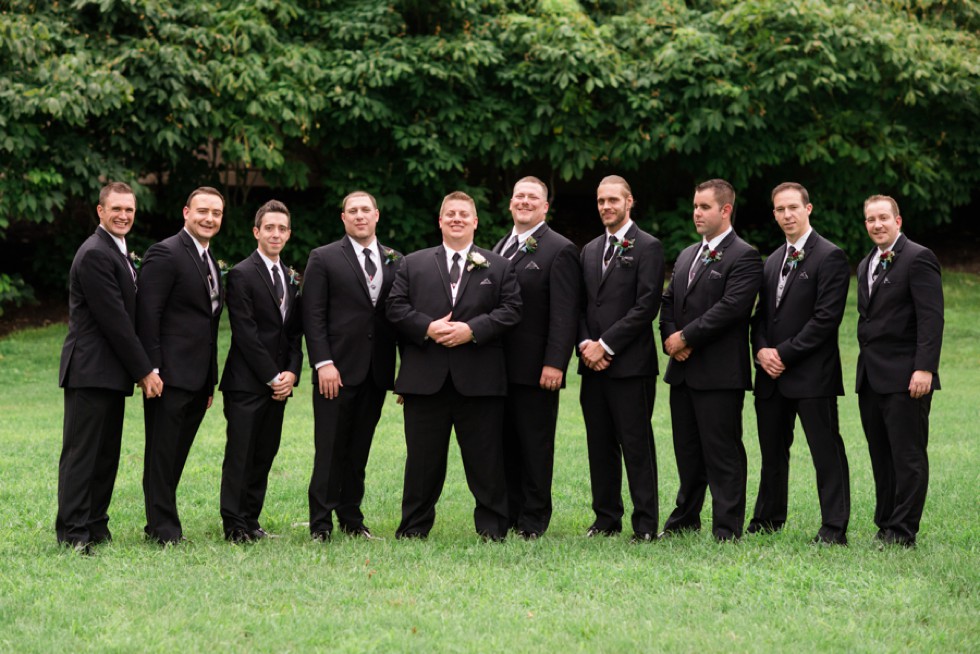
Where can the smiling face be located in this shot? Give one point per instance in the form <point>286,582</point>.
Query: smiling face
<point>792,214</point>
<point>528,206</point>
<point>272,234</point>
<point>117,214</point>
<point>710,217</point>
<point>458,223</point>
<point>202,218</point>
<point>614,203</point>
<point>882,223</point>
<point>360,218</point>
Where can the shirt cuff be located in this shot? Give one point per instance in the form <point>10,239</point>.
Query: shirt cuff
<point>320,364</point>
<point>606,348</point>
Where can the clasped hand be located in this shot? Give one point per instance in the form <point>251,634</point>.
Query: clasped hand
<point>445,331</point>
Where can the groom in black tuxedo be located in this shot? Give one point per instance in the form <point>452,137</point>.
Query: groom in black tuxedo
<point>352,351</point>
<point>704,325</point>
<point>177,316</point>
<point>537,351</point>
<point>798,371</point>
<point>900,332</point>
<point>101,360</point>
<point>262,367</point>
<point>452,304</point>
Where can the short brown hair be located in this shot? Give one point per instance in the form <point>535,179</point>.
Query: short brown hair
<point>883,198</point>
<point>534,180</point>
<point>272,206</point>
<point>791,186</point>
<point>114,187</point>
<point>457,195</point>
<point>616,179</point>
<point>204,190</point>
<point>357,194</point>
<point>723,191</point>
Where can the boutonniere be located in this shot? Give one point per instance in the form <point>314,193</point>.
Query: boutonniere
<point>135,259</point>
<point>391,256</point>
<point>886,259</point>
<point>794,259</point>
<point>223,267</point>
<point>711,257</point>
<point>294,277</point>
<point>530,245</point>
<point>624,246</point>
<point>476,260</point>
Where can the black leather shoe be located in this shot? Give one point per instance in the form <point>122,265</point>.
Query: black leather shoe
<point>359,532</point>
<point>820,539</point>
<point>763,527</point>
<point>238,536</point>
<point>492,538</point>
<point>320,536</point>
<point>528,535</point>
<point>645,537</point>
<point>890,538</point>
<point>410,535</point>
<point>260,533</point>
<point>594,531</point>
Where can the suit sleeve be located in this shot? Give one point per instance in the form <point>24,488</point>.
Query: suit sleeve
<point>564,284</point>
<point>667,324</point>
<point>294,334</point>
<point>926,287</point>
<point>399,310</point>
<point>315,305</point>
<point>490,326</point>
<point>741,289</point>
<point>828,310</point>
<point>244,329</point>
<point>759,336</point>
<point>583,301</point>
<point>104,297</point>
<point>649,291</point>
<point>156,282</point>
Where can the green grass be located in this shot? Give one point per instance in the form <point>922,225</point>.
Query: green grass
<point>453,593</point>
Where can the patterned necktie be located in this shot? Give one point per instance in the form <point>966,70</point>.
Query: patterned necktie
<point>369,266</point>
<point>207,266</point>
<point>694,264</point>
<point>788,265</point>
<point>511,248</point>
<point>277,284</point>
<point>877,271</point>
<point>454,269</point>
<point>607,257</point>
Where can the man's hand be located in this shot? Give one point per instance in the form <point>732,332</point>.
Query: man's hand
<point>674,344</point>
<point>439,328</point>
<point>768,358</point>
<point>282,388</point>
<point>682,354</point>
<point>210,402</point>
<point>551,378</point>
<point>328,380</point>
<point>920,384</point>
<point>152,386</point>
<point>595,356</point>
<point>458,334</point>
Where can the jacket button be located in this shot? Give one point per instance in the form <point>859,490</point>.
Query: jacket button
<point>598,303</point>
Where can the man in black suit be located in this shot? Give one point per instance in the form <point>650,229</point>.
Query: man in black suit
<point>623,271</point>
<point>101,360</point>
<point>704,326</point>
<point>900,332</point>
<point>537,351</point>
<point>452,305</point>
<point>262,367</point>
<point>798,371</point>
<point>352,350</point>
<point>178,309</point>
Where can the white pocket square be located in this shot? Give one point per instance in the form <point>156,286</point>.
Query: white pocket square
<point>486,282</point>
<point>803,275</point>
<point>714,274</point>
<point>532,266</point>
<point>885,281</point>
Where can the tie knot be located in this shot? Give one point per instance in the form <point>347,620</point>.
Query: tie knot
<point>367,252</point>
<point>275,268</point>
<point>792,250</point>
<point>456,257</point>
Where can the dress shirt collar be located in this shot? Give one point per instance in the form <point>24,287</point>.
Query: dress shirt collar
<point>713,243</point>
<point>620,234</point>
<point>200,248</point>
<point>269,263</point>
<point>523,237</point>
<point>890,247</point>
<point>462,254</point>
<point>359,249</point>
<point>801,241</point>
<point>120,242</point>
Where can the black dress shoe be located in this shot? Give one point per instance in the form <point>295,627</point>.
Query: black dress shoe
<point>238,536</point>
<point>528,535</point>
<point>594,531</point>
<point>492,538</point>
<point>410,535</point>
<point>645,537</point>
<point>260,533</point>
<point>322,536</point>
<point>763,527</point>
<point>820,539</point>
<point>887,537</point>
<point>359,532</point>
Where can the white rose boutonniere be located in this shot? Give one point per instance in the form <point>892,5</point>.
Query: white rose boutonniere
<point>476,260</point>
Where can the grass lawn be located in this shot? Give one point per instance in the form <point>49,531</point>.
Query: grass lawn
<point>454,593</point>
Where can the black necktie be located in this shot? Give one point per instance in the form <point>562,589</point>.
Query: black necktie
<point>788,265</point>
<point>694,265</point>
<point>207,266</point>
<point>369,266</point>
<point>607,257</point>
<point>277,284</point>
<point>877,271</point>
<point>511,248</point>
<point>454,269</point>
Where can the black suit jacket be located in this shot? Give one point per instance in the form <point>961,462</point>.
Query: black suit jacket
<point>173,314</point>
<point>263,344</point>
<point>550,281</point>
<point>102,349</point>
<point>900,322</point>
<point>339,320</point>
<point>488,300</point>
<point>620,305</point>
<point>713,313</point>
<point>803,328</point>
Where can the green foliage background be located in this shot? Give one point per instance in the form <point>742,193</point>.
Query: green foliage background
<point>309,99</point>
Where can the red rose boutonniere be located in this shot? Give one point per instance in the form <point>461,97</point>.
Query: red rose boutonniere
<point>712,257</point>
<point>624,246</point>
<point>886,259</point>
<point>794,259</point>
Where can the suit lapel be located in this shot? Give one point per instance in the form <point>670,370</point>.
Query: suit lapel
<point>355,265</point>
<point>864,296</point>
<point>440,261</point>
<point>266,278</point>
<point>387,275</point>
<point>107,239</point>
<point>465,273</point>
<point>629,236</point>
<point>187,241</point>
<point>897,252</point>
